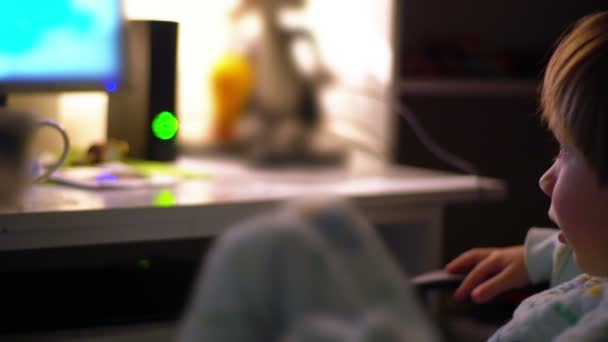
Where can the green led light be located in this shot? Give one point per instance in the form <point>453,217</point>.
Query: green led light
<point>164,199</point>
<point>165,125</point>
<point>144,264</point>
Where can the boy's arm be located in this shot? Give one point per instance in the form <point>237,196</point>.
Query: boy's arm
<point>539,248</point>
<point>547,259</point>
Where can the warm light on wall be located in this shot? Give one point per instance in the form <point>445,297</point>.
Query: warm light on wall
<point>204,35</point>
<point>84,117</point>
<point>357,46</point>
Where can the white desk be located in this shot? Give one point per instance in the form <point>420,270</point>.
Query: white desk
<point>63,228</point>
<point>56,216</point>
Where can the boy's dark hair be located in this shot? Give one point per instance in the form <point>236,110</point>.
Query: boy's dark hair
<point>574,95</point>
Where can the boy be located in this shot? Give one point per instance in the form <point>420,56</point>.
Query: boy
<point>575,106</point>
<point>315,271</point>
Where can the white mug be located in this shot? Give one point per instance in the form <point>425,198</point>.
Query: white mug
<point>18,168</point>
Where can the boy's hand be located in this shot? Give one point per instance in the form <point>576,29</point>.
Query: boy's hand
<point>492,272</point>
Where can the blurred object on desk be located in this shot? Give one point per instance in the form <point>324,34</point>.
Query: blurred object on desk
<point>231,85</point>
<point>20,164</point>
<point>284,115</point>
<point>142,111</point>
<point>111,150</point>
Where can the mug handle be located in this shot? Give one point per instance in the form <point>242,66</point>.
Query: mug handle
<point>66,148</point>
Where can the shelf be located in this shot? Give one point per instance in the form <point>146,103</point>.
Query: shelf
<point>468,87</point>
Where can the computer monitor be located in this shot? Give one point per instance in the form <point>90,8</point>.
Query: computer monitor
<point>60,45</point>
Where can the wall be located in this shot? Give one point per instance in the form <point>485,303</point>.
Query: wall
<point>355,41</point>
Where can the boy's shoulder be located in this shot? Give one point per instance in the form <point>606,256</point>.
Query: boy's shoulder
<point>566,308</point>
<point>580,295</point>
<point>593,324</point>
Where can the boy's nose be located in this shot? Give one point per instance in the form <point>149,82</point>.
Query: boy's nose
<point>547,181</point>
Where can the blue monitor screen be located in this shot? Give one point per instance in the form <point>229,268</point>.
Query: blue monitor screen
<point>60,42</point>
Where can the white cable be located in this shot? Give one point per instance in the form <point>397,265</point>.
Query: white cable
<point>419,131</point>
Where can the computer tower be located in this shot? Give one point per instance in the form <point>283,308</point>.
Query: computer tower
<point>142,110</point>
